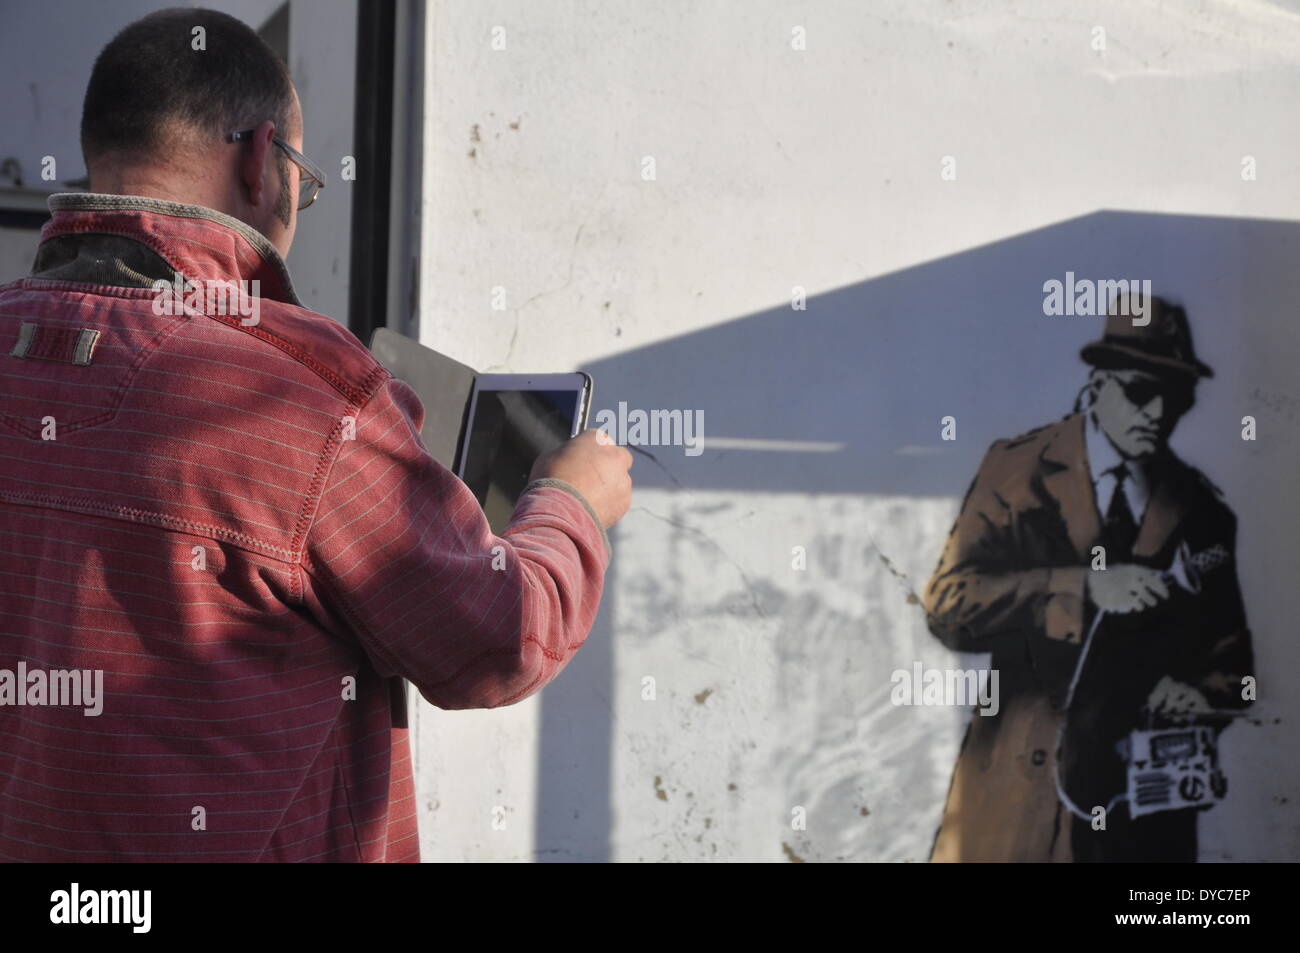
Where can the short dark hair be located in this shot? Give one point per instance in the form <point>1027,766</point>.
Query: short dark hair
<point>150,76</point>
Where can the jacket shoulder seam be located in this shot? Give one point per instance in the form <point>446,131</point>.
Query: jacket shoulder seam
<point>325,462</point>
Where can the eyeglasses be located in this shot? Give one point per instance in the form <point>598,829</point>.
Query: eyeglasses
<point>311,178</point>
<point>1141,391</point>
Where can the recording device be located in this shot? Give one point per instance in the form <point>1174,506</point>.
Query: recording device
<point>1173,768</point>
<point>1186,569</point>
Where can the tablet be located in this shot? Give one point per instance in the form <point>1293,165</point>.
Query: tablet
<point>442,384</point>
<point>513,419</point>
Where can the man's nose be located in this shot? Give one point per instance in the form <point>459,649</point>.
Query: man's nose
<point>1156,408</point>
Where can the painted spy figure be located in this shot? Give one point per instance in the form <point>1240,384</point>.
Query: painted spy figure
<point>1090,656</point>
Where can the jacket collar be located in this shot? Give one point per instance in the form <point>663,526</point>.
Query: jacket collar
<point>1068,478</point>
<point>198,242</point>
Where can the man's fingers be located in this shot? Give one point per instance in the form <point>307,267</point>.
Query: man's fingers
<point>602,437</point>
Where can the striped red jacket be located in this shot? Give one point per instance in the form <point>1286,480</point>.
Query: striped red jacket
<point>237,525</point>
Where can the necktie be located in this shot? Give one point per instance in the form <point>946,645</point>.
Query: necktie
<point>1120,530</point>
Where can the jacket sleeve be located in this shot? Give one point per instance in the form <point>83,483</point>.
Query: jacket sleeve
<point>1220,654</point>
<point>401,557</point>
<point>981,588</point>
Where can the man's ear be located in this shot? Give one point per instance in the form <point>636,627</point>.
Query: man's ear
<point>256,162</point>
<point>1079,405</point>
<point>1092,389</point>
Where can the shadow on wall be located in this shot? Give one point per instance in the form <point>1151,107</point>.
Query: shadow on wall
<point>875,367</point>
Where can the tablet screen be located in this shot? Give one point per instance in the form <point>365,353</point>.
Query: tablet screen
<point>510,429</point>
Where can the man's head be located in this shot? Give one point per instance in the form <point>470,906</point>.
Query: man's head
<point>1136,409</point>
<point>1144,376</point>
<point>164,96</point>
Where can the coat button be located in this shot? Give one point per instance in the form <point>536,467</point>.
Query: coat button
<point>1039,756</point>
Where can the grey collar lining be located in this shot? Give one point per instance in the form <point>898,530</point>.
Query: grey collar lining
<point>102,201</point>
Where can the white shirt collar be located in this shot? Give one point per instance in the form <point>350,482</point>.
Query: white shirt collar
<point>1102,459</point>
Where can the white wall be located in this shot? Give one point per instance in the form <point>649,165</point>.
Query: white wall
<point>821,168</point>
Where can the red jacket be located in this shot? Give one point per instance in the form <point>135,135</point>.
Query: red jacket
<point>238,526</point>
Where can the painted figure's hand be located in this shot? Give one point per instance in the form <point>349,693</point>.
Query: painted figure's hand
<point>1126,588</point>
<point>1176,701</point>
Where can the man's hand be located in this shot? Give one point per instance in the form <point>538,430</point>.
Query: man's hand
<point>597,467</point>
<point>1175,701</point>
<point>1126,588</point>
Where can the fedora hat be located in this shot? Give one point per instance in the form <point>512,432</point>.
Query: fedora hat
<point>1163,345</point>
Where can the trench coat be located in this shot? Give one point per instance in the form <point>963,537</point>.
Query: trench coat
<point>1012,581</point>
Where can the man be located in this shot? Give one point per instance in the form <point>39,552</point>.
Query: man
<point>1070,525</point>
<point>223,530</point>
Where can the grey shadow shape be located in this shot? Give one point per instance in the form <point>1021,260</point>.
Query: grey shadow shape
<point>875,366</point>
